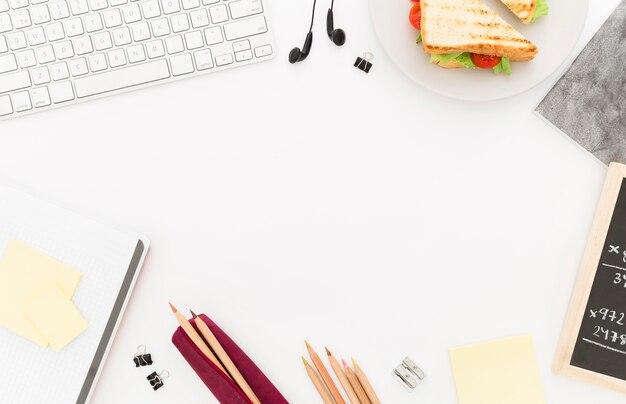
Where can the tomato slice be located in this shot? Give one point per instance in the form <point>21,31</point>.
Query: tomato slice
<point>415,16</point>
<point>485,61</point>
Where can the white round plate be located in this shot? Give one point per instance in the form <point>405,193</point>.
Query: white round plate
<point>555,36</point>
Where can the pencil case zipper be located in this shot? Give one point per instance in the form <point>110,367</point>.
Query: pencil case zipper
<point>241,396</point>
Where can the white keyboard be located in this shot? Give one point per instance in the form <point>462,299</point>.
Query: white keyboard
<point>58,52</point>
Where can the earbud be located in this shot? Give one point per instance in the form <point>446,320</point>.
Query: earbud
<point>338,36</point>
<point>297,55</point>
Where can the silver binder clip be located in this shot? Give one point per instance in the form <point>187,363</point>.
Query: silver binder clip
<point>408,374</point>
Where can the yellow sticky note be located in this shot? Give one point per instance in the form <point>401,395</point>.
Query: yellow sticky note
<point>499,372</point>
<point>24,273</point>
<point>56,317</point>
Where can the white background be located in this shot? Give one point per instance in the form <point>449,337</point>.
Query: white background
<point>360,212</point>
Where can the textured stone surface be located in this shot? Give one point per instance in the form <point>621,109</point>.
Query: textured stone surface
<point>589,102</point>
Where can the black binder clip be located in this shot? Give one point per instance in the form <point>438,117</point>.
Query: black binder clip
<point>142,358</point>
<point>364,63</point>
<point>156,380</point>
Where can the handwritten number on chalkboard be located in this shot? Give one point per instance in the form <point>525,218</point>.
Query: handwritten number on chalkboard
<point>609,335</point>
<point>619,279</point>
<point>624,257</point>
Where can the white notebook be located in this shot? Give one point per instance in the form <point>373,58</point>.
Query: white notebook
<point>109,260</point>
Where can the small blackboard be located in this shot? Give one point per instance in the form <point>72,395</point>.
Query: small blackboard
<point>593,343</point>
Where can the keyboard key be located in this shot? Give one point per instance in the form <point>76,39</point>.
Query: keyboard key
<point>97,62</point>
<point>15,4</point>
<point>160,27</point>
<point>170,6</point>
<point>4,47</point>
<point>218,14</point>
<point>243,55</point>
<point>181,64</point>
<point>174,44</point>
<point>59,71</point>
<point>241,45</point>
<point>63,50</point>
<point>17,40</point>
<point>21,101</point>
<point>14,81</point>
<point>204,59</point>
<point>213,35</point>
<point>117,58</point>
<point>118,2</point>
<point>82,45</point>
<point>5,105</point>
<point>199,18</point>
<point>4,6</point>
<point>194,40</point>
<point>136,54</point>
<point>262,51</point>
<point>7,63</point>
<point>102,41</point>
<point>21,19</point>
<point>40,14</point>
<point>121,36</point>
<point>131,13</point>
<point>61,92</point>
<point>155,49</point>
<point>41,97</point>
<point>78,7</point>
<point>59,10</point>
<point>73,27</point>
<point>55,31</point>
<point>97,5</point>
<point>245,8</point>
<point>223,60</point>
<point>112,18</point>
<point>35,36</point>
<point>45,54</point>
<point>151,9</point>
<point>207,2</point>
<point>189,4</point>
<point>141,31</point>
<point>40,75</point>
<point>179,23</point>
<point>122,78</point>
<point>5,23</point>
<point>78,67</point>
<point>93,23</point>
<point>26,58</point>
<point>244,28</point>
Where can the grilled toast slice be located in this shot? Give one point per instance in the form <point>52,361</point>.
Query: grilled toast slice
<point>523,9</point>
<point>451,26</point>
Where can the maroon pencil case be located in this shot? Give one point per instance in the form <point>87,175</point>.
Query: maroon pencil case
<point>222,387</point>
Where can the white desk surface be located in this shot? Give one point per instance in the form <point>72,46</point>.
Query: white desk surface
<point>360,212</point>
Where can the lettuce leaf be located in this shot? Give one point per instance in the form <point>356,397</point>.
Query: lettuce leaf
<point>419,39</point>
<point>466,60</point>
<point>503,66</point>
<point>541,9</point>
<point>444,57</point>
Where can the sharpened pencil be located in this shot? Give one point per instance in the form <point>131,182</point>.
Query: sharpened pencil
<point>328,381</point>
<point>195,337</point>
<point>367,386</point>
<point>317,383</point>
<point>341,376</point>
<point>225,359</point>
<point>356,385</point>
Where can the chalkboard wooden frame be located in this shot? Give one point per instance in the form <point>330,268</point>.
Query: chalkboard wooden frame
<point>578,306</point>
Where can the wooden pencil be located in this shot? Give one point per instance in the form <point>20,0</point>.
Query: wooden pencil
<point>225,359</point>
<point>317,383</point>
<point>328,381</point>
<point>341,376</point>
<point>356,385</point>
<point>195,337</point>
<point>367,386</point>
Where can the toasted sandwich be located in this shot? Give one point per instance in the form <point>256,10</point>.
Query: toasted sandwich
<point>466,33</point>
<point>527,10</point>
